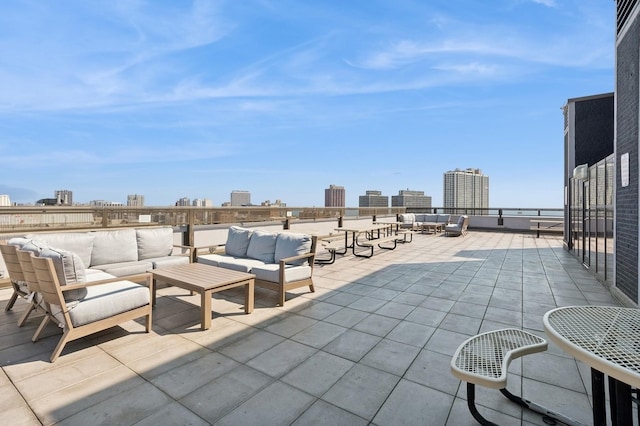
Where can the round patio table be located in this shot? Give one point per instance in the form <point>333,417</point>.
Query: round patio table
<point>607,338</point>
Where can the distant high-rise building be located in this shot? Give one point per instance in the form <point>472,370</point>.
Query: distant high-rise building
<point>334,196</point>
<point>5,201</point>
<point>202,202</point>
<point>135,200</point>
<point>277,203</point>
<point>104,203</point>
<point>64,197</point>
<point>240,198</point>
<point>373,199</point>
<point>183,202</point>
<point>412,199</point>
<point>465,189</point>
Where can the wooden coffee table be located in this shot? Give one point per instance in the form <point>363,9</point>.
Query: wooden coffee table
<point>206,280</point>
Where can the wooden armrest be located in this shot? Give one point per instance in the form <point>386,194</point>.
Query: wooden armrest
<point>138,278</point>
<point>298,257</point>
<point>216,248</point>
<point>189,250</point>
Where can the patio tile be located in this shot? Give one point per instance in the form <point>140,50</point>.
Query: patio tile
<point>290,325</point>
<point>278,404</point>
<point>433,370</point>
<point>322,413</point>
<point>469,309</point>
<point>318,310</point>
<point>367,304</point>
<point>282,358</point>
<point>51,380</point>
<point>575,405</point>
<point>217,398</point>
<point>352,345</point>
<point>460,415</point>
<point>445,342</point>
<point>346,317</point>
<point>424,316</point>
<point>342,298</point>
<point>416,405</point>
<point>318,373</point>
<point>184,379</point>
<point>319,334</point>
<point>250,346</point>
<point>132,408</point>
<point>509,317</point>
<point>461,324</point>
<point>395,310</point>
<point>173,414</point>
<point>84,393</point>
<point>390,356</point>
<point>362,390</point>
<point>411,333</point>
<point>438,304</point>
<point>377,325</point>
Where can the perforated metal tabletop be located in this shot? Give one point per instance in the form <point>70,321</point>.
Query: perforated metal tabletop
<point>606,338</point>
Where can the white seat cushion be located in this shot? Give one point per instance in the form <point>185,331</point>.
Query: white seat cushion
<point>104,301</point>
<point>271,272</point>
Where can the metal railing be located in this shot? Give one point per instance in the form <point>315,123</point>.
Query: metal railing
<point>14,220</point>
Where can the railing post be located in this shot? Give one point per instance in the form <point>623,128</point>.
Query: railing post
<point>286,224</point>
<point>500,218</point>
<point>105,218</point>
<point>189,236</point>
<point>340,222</point>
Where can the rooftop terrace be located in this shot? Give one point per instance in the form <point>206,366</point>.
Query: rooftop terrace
<point>372,345</point>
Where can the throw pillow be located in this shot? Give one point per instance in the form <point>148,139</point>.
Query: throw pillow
<point>237,241</point>
<point>290,244</point>
<point>262,246</point>
<point>69,270</point>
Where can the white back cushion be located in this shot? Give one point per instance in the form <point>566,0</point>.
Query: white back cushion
<point>154,242</point>
<point>114,247</point>
<point>237,241</point>
<point>262,246</point>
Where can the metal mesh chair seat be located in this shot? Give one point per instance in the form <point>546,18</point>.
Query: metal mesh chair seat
<point>484,359</point>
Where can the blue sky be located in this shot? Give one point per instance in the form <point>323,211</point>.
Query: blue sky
<point>282,98</point>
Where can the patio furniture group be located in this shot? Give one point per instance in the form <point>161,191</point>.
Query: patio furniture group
<point>89,281</point>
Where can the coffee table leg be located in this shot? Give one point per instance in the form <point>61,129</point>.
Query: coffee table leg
<point>205,307</point>
<point>249,296</point>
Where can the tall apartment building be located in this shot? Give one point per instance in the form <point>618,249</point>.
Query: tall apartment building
<point>334,196</point>
<point>135,200</point>
<point>202,202</point>
<point>240,198</point>
<point>183,202</point>
<point>373,199</point>
<point>411,199</point>
<point>104,203</point>
<point>64,197</point>
<point>465,189</point>
<point>5,201</point>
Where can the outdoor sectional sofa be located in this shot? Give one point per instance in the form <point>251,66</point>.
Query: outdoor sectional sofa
<point>280,261</point>
<point>415,221</point>
<point>120,252</point>
<point>88,281</point>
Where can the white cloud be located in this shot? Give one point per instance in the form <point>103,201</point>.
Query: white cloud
<point>548,3</point>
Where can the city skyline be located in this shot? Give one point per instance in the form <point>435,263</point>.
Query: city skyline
<point>195,99</point>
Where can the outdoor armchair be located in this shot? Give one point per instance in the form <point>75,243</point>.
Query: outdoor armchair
<point>90,307</point>
<point>459,228</point>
